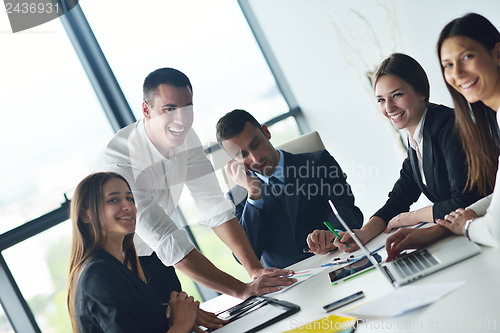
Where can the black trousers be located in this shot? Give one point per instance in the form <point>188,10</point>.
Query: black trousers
<point>162,279</point>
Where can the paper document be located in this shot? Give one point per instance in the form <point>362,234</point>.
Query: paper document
<point>404,299</point>
<point>301,276</point>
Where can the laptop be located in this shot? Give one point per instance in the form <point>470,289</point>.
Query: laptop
<point>421,262</point>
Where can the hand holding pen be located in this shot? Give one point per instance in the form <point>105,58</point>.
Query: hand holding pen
<point>345,240</point>
<point>324,241</point>
<point>320,242</point>
<point>329,226</point>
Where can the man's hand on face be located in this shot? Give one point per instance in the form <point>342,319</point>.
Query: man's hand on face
<point>241,176</point>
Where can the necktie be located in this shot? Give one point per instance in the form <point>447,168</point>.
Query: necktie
<point>278,190</point>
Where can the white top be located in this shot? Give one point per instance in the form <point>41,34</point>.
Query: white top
<point>418,136</point>
<point>486,230</point>
<point>157,183</point>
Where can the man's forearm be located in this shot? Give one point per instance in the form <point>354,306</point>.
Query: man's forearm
<point>198,268</point>
<point>233,235</point>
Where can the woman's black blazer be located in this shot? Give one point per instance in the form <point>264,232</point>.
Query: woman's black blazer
<point>111,298</point>
<point>445,170</point>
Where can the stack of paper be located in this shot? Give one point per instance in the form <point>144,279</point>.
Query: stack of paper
<point>405,299</point>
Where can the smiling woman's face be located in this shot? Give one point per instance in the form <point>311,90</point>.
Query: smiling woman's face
<point>118,207</point>
<point>399,102</point>
<point>471,70</point>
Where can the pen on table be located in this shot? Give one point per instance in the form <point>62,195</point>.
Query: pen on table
<point>329,226</point>
<point>336,261</point>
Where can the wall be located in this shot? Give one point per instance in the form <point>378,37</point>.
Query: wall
<point>329,80</point>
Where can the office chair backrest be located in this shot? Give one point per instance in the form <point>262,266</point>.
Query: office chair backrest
<point>306,143</point>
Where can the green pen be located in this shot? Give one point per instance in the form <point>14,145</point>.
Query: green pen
<point>329,226</point>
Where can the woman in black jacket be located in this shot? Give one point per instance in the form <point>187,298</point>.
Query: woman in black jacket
<point>436,164</point>
<point>107,292</point>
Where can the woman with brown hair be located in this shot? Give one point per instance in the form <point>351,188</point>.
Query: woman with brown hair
<point>107,292</point>
<point>469,53</point>
<point>435,165</point>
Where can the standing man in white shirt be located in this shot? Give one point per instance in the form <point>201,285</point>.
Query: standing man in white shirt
<point>158,155</point>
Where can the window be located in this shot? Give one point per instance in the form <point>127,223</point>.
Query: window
<point>40,267</point>
<point>5,326</point>
<point>53,127</point>
<point>53,123</point>
<point>214,46</point>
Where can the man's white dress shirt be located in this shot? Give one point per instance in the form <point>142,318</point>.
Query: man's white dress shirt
<point>157,182</point>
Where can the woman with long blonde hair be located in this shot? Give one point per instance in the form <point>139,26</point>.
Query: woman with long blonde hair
<point>106,291</point>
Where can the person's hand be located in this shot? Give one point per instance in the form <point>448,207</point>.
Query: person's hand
<point>410,239</point>
<point>320,242</point>
<point>208,320</point>
<point>240,175</point>
<point>455,221</point>
<point>264,271</point>
<point>346,238</point>
<point>269,282</point>
<point>181,311</point>
<point>400,220</point>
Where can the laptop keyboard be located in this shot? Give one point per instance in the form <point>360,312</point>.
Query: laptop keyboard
<point>414,263</point>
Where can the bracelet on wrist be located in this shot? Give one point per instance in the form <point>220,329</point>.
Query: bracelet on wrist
<point>466,228</point>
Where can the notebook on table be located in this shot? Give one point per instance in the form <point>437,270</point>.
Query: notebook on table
<point>420,263</point>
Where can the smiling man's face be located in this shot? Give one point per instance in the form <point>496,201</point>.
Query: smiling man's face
<point>170,118</point>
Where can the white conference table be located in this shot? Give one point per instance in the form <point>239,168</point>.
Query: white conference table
<point>471,308</point>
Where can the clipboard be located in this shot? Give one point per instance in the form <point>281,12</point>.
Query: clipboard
<point>254,314</point>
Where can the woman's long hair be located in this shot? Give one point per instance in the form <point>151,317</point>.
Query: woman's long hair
<point>89,233</point>
<point>476,122</point>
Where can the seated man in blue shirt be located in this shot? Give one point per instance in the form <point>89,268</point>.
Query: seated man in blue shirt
<point>280,197</point>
